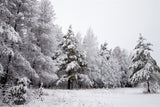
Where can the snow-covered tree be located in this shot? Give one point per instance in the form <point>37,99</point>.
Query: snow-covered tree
<point>17,94</point>
<point>8,39</point>
<point>109,67</point>
<point>20,14</point>
<point>15,26</point>
<point>21,67</point>
<point>71,61</point>
<point>104,52</point>
<point>46,31</point>
<point>113,67</point>
<point>123,60</point>
<point>90,46</point>
<point>144,67</point>
<point>104,66</point>
<point>47,14</point>
<point>43,65</point>
<point>27,41</point>
<point>46,68</point>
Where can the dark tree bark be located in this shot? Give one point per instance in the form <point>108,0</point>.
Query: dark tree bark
<point>148,87</point>
<point>5,77</point>
<point>69,84</point>
<point>15,26</point>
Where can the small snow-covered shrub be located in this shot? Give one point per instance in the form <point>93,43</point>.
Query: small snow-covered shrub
<point>154,87</point>
<point>17,94</point>
<point>85,80</point>
<point>39,92</point>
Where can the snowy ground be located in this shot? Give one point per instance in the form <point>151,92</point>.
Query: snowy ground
<point>97,98</point>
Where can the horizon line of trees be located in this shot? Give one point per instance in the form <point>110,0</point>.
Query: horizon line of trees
<point>32,46</point>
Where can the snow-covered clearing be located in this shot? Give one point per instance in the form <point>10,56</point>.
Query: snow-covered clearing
<point>124,97</point>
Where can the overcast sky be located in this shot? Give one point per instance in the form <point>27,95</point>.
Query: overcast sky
<point>117,22</point>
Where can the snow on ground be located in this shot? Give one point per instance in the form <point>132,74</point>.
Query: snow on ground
<point>124,97</point>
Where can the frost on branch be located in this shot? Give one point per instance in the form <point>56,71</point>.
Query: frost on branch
<point>5,51</point>
<point>46,68</point>
<point>73,65</point>
<point>1,69</point>
<point>20,67</point>
<point>8,33</point>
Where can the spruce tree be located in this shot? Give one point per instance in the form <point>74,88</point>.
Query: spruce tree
<point>144,67</point>
<point>71,62</point>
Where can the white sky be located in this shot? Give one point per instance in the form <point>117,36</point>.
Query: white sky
<point>118,22</point>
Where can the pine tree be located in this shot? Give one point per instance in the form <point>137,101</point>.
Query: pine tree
<point>20,14</point>
<point>104,55</point>
<point>71,62</point>
<point>110,68</point>
<point>8,39</point>
<point>144,67</point>
<point>27,41</point>
<point>105,52</point>
<point>16,16</point>
<point>45,30</point>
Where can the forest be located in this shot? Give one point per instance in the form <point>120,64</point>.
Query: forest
<point>36,54</point>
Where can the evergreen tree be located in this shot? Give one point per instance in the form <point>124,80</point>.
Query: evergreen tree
<point>20,14</point>
<point>16,18</point>
<point>110,68</point>
<point>8,39</point>
<point>144,67</point>
<point>123,60</point>
<point>71,62</point>
<point>104,63</point>
<point>45,30</point>
<point>105,52</point>
<point>17,43</point>
<point>90,46</point>
<point>18,94</point>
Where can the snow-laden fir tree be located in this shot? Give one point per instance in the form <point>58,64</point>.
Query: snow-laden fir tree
<point>15,17</point>
<point>110,68</point>
<point>104,55</point>
<point>20,14</point>
<point>71,61</point>
<point>8,38</point>
<point>144,67</point>
<point>105,52</point>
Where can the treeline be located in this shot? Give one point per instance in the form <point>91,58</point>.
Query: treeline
<point>32,46</point>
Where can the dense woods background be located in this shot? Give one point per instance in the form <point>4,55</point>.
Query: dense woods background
<point>34,48</point>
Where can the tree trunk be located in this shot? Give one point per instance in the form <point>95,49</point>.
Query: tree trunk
<point>15,27</point>
<point>148,88</point>
<point>69,84</point>
<point>5,77</point>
